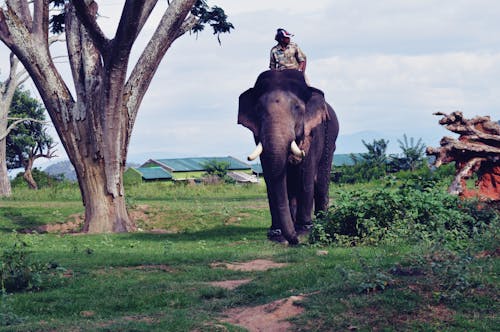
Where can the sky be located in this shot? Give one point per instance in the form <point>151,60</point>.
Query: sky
<point>385,66</point>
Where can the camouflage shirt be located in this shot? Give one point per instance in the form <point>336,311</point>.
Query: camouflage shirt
<point>287,58</point>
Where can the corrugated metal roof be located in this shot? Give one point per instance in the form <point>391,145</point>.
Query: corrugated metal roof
<point>152,173</point>
<point>197,164</point>
<point>243,177</point>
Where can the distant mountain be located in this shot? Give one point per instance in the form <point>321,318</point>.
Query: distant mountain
<point>63,167</point>
<point>66,168</point>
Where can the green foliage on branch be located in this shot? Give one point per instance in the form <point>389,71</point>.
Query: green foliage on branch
<point>213,16</point>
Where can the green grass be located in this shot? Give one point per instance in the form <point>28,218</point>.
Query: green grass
<point>147,281</point>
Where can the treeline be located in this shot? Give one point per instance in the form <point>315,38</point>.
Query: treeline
<point>376,163</point>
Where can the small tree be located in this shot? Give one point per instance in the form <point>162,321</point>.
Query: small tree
<point>214,168</point>
<point>29,139</point>
<point>376,155</point>
<point>412,157</point>
<point>7,89</point>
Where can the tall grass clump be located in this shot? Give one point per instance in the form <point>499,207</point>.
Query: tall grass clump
<point>411,211</point>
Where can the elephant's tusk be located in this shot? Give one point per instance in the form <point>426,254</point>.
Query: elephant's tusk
<point>296,150</point>
<point>258,150</point>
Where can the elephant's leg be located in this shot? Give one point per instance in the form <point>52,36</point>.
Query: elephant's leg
<point>293,183</point>
<point>279,198</point>
<point>321,194</point>
<point>305,200</point>
<point>274,233</point>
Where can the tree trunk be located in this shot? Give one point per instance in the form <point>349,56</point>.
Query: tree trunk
<point>28,175</point>
<point>104,213</point>
<point>5,188</point>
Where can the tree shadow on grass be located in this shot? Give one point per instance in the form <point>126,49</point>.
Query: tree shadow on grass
<point>217,233</point>
<point>18,220</point>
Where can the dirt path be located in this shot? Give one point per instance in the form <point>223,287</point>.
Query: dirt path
<point>272,317</point>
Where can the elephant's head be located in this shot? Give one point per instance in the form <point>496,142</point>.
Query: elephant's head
<point>282,111</point>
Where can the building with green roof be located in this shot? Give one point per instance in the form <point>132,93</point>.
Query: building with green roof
<point>137,174</point>
<point>194,168</point>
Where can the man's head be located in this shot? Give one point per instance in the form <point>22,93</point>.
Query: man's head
<point>283,36</point>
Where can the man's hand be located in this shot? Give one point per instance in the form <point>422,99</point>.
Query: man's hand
<point>302,66</point>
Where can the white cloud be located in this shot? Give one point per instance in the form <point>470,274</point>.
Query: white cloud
<point>385,66</point>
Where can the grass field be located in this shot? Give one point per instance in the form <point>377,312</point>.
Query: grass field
<point>159,279</point>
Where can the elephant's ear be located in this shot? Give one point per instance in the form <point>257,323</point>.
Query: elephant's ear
<point>247,115</point>
<point>316,111</point>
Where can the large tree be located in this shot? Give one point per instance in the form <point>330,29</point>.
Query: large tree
<point>95,124</point>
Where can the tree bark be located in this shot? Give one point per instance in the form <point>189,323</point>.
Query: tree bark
<point>96,126</point>
<point>5,187</point>
<point>28,177</point>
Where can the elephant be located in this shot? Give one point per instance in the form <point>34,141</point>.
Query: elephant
<point>295,131</point>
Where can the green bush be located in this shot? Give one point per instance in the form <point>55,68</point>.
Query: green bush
<point>42,179</point>
<point>19,272</point>
<point>413,211</point>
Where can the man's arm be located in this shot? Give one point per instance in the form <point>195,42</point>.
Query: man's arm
<point>301,58</point>
<point>272,60</point>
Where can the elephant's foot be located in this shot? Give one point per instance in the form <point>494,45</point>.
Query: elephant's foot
<point>303,229</point>
<point>275,235</point>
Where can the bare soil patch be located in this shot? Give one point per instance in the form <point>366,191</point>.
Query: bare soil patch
<point>73,224</point>
<point>267,317</point>
<point>255,265</point>
<point>139,213</point>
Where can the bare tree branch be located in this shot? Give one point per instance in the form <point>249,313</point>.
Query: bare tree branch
<point>87,16</point>
<point>171,25</point>
<point>21,7</point>
<point>134,16</point>
<point>14,124</point>
<point>41,20</point>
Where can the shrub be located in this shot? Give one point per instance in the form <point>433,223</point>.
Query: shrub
<point>413,211</point>
<point>42,179</point>
<point>18,272</point>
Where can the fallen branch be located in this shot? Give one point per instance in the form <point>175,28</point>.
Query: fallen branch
<point>477,150</point>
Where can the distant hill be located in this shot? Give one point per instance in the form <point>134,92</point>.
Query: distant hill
<point>343,159</point>
<point>63,167</point>
<point>66,168</point>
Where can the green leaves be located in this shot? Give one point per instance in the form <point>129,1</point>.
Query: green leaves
<point>403,213</point>
<point>215,17</point>
<point>29,137</point>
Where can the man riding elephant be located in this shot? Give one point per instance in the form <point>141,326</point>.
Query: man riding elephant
<point>295,130</point>
<point>286,54</point>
